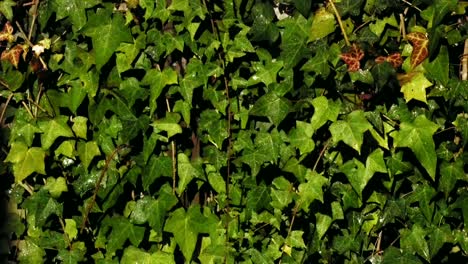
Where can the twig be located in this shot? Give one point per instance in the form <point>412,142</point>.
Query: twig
<point>35,3</point>
<point>338,17</point>
<point>65,234</point>
<point>464,62</point>
<point>27,109</point>
<point>321,155</point>
<point>296,208</point>
<point>98,186</point>
<point>173,155</point>
<point>4,109</point>
<point>26,187</point>
<point>413,6</point>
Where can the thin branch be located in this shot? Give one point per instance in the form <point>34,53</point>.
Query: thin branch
<point>322,152</point>
<point>294,213</point>
<point>464,62</point>
<point>173,155</point>
<point>338,17</point>
<point>65,234</point>
<point>2,115</point>
<point>98,186</point>
<point>27,109</point>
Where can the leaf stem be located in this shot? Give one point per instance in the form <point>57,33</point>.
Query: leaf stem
<point>338,17</point>
<point>2,115</point>
<point>173,155</point>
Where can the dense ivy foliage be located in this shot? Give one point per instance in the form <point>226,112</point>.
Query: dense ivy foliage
<point>245,131</point>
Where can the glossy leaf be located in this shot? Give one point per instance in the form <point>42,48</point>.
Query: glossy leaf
<point>271,106</point>
<point>417,135</point>
<point>416,88</point>
<point>87,151</point>
<point>25,160</point>
<point>351,131</point>
<point>106,33</point>
<point>53,129</point>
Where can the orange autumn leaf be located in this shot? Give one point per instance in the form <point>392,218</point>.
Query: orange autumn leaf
<point>394,59</point>
<point>7,33</point>
<point>420,51</point>
<point>352,58</point>
<point>13,55</point>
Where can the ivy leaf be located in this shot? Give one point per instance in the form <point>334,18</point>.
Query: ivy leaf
<point>352,7</point>
<point>56,186</point>
<point>254,158</point>
<point>414,241</point>
<point>301,137</point>
<point>156,167</point>
<point>351,131</point>
<point>6,9</point>
<point>157,210</point>
<point>87,151</point>
<point>25,161</point>
<point>293,40</point>
<point>185,226</point>
<point>311,190</point>
<point>122,230</point>
<point>53,129</point>
<point>461,124</point>
<point>323,223</point>
<point>420,48</point>
<point>75,9</point>
<point>70,228</point>
<point>157,80</point>
<point>438,69</point>
<point>449,174</point>
<point>211,122</point>
<point>323,24</point>
<point>186,172</point>
<point>272,106</point>
<point>170,124</point>
<point>263,28</point>
<point>265,73</point>
<point>359,175</point>
<point>29,252</point>
<point>80,126</point>
<point>106,33</point>
<point>324,110</point>
<point>417,136</point>
<point>132,255</point>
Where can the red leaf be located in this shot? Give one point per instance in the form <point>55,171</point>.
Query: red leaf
<point>352,58</point>
<point>13,55</point>
<point>420,51</point>
<point>394,59</point>
<point>7,33</point>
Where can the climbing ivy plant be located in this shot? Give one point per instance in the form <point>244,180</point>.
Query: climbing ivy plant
<point>246,131</point>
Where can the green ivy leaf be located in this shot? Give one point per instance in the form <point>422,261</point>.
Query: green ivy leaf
<point>293,40</point>
<point>416,88</point>
<point>265,73</point>
<point>351,7</point>
<point>29,252</point>
<point>263,28</point>
<point>157,210</point>
<point>87,151</point>
<point>359,175</point>
<point>56,186</point>
<point>170,124</point>
<point>122,230</point>
<point>311,190</point>
<point>70,228</point>
<point>75,9</point>
<point>461,124</point>
<point>414,241</point>
<point>438,69</point>
<point>185,226</point>
<point>25,160</point>
<point>157,80</point>
<point>323,223</point>
<point>186,172</point>
<point>80,126</point>
<point>23,128</point>
<point>417,135</point>
<point>272,106</point>
<point>52,129</point>
<point>323,24</point>
<point>156,167</point>
<point>394,255</point>
<point>449,174</point>
<point>6,9</point>
<point>212,122</point>
<point>132,255</point>
<point>106,33</point>
<point>324,110</point>
<point>351,131</point>
<point>301,137</point>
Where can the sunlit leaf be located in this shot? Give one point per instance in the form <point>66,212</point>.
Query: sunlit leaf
<point>25,160</point>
